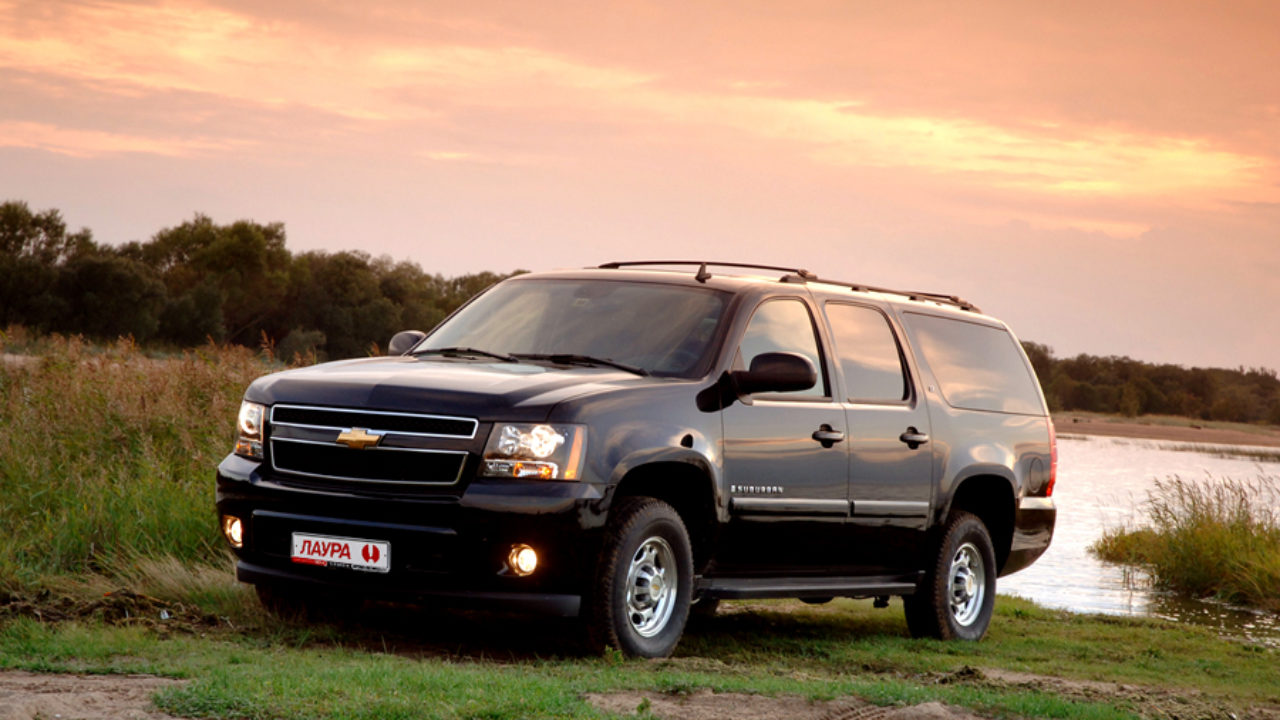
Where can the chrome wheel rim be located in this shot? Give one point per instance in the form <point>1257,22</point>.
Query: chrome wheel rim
<point>652,583</point>
<point>967,583</point>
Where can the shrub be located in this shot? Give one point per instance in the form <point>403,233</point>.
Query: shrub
<point>1219,538</point>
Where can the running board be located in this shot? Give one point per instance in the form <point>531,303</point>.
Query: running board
<point>738,588</point>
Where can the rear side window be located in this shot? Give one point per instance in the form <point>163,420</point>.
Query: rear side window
<point>868,354</point>
<point>978,367</point>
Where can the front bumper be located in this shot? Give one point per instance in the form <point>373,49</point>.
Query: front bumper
<point>450,548</point>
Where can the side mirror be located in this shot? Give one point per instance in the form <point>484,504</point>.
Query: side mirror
<point>403,341</point>
<point>776,372</point>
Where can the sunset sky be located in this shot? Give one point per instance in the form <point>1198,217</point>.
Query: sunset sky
<point>1105,176</point>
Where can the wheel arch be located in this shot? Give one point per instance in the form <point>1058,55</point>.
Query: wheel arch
<point>991,498</point>
<point>687,487</point>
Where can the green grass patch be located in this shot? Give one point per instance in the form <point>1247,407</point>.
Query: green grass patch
<point>409,663</point>
<point>1211,538</point>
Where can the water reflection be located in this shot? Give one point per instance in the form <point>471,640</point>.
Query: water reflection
<point>1102,482</point>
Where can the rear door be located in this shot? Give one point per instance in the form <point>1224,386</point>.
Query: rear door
<point>890,456</point>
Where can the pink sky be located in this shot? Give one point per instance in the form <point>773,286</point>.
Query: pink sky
<point>1102,175</point>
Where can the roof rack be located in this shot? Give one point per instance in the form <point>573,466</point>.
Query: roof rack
<point>702,270</point>
<point>803,276</point>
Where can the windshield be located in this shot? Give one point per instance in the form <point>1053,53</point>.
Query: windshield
<point>663,329</point>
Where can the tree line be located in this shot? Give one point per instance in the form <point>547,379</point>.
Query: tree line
<point>1124,386</point>
<point>238,283</point>
<point>202,281</point>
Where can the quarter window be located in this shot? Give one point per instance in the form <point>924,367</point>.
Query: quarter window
<point>783,326</point>
<point>979,367</point>
<point>868,353</point>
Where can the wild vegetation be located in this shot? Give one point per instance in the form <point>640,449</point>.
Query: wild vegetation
<point>108,454</point>
<point>1218,538</point>
<point>200,282</point>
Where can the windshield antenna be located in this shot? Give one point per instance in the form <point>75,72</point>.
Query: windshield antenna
<point>702,275</point>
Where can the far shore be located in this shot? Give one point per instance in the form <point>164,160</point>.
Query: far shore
<point>1173,429</point>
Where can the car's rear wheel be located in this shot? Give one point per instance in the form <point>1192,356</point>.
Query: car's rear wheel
<point>956,598</point>
<point>643,583</point>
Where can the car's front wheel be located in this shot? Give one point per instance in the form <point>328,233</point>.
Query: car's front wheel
<point>956,598</point>
<point>643,582</point>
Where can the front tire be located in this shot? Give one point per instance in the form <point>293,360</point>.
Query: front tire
<point>956,598</point>
<point>643,585</point>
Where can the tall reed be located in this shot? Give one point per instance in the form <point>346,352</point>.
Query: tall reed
<point>1211,538</point>
<point>107,456</point>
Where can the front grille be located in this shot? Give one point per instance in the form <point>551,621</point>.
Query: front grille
<point>414,450</point>
<point>378,465</point>
<point>407,423</point>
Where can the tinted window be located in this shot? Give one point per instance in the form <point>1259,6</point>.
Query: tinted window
<point>978,367</point>
<point>665,329</point>
<point>783,326</point>
<point>868,353</point>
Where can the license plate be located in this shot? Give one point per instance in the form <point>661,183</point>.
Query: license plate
<point>340,552</point>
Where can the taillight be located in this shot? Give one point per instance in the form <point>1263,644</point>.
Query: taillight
<point>1053,460</point>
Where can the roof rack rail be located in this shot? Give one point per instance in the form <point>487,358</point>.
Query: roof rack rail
<point>804,276</point>
<point>702,269</point>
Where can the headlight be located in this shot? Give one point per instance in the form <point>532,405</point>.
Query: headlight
<point>544,452</point>
<point>249,426</point>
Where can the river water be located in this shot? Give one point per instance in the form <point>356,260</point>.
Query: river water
<point>1102,483</point>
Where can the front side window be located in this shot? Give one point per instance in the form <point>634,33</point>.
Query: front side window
<point>868,353</point>
<point>783,326</point>
<point>665,329</point>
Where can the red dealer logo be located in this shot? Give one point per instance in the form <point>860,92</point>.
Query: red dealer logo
<point>370,553</point>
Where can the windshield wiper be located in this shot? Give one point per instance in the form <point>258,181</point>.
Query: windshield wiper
<point>575,359</point>
<point>459,351</point>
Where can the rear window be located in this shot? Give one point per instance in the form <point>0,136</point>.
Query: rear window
<point>978,367</point>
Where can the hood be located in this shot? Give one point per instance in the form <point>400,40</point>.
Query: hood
<point>462,387</point>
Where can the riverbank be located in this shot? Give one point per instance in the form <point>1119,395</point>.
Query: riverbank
<point>1168,428</point>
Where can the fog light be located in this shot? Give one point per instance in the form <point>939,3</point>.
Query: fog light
<point>522,560</point>
<point>233,529</point>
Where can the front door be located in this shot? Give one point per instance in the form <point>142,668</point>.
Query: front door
<point>786,462</point>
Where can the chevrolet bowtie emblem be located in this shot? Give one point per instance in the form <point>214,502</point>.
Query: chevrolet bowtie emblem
<point>359,438</point>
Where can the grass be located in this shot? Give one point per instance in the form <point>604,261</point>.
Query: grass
<point>402,663</point>
<point>108,455</point>
<point>1212,538</point>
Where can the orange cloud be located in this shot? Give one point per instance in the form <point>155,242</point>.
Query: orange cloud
<point>375,81</point>
<point>94,143</point>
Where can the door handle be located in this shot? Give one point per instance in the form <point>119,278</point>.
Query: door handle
<point>827,436</point>
<point>913,438</point>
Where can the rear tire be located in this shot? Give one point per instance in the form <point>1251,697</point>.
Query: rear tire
<point>957,595</point>
<point>639,600</point>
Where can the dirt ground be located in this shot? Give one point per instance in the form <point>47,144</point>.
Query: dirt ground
<point>706,705</point>
<point>1193,433</point>
<point>30,696</point>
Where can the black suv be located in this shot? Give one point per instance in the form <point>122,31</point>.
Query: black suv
<point>626,442</point>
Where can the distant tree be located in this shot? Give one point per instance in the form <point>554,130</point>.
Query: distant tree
<point>237,274</point>
<point>33,249</point>
<point>1041,357</point>
<point>109,296</point>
